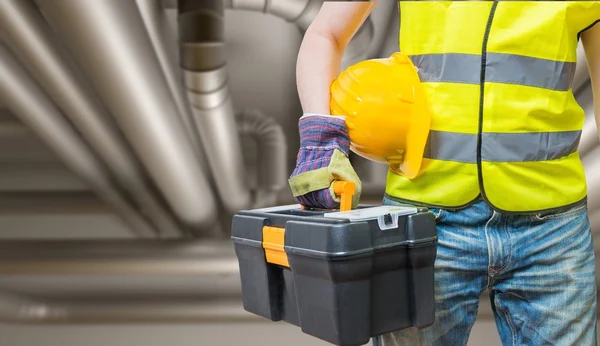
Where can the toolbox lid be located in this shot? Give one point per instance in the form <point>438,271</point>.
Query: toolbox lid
<point>278,208</point>
<point>386,215</point>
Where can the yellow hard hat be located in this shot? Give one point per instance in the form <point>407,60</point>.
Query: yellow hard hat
<point>386,112</point>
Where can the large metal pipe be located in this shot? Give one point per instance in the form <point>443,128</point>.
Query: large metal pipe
<point>117,269</point>
<point>110,43</point>
<point>167,257</point>
<point>271,150</point>
<point>21,310</point>
<point>202,57</point>
<point>16,308</point>
<point>29,36</point>
<point>165,46</point>
<point>26,100</point>
<point>32,40</point>
<point>80,287</point>
<point>120,269</point>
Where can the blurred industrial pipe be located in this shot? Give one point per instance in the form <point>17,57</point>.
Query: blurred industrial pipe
<point>165,46</point>
<point>272,155</point>
<point>32,40</point>
<point>109,41</point>
<point>165,257</point>
<point>20,310</point>
<point>210,264</point>
<point>15,308</point>
<point>202,57</point>
<point>27,101</point>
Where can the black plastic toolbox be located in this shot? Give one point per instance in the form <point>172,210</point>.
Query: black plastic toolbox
<point>342,277</point>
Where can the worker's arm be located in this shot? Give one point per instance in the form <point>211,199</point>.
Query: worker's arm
<point>591,45</point>
<point>322,49</point>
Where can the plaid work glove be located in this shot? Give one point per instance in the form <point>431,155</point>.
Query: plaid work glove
<point>322,159</point>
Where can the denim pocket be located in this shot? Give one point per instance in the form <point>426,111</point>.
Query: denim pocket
<point>574,211</point>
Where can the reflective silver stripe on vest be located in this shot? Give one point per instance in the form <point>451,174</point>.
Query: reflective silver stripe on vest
<point>500,68</point>
<point>523,147</point>
<point>501,147</point>
<point>451,146</point>
<point>524,70</point>
<point>449,68</point>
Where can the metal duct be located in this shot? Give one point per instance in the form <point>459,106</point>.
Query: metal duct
<point>202,55</point>
<point>79,286</point>
<point>165,257</point>
<point>31,38</point>
<point>209,265</point>
<point>27,101</point>
<point>272,169</point>
<point>110,43</point>
<point>19,310</point>
<point>165,46</point>
<point>16,308</point>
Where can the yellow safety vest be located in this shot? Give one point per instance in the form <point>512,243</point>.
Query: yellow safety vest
<point>505,125</point>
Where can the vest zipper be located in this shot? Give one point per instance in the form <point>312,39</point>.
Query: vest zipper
<point>481,101</point>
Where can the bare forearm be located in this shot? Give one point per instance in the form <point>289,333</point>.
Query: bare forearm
<point>322,49</point>
<point>318,65</point>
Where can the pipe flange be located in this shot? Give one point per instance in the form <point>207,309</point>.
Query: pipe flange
<point>206,81</point>
<point>208,101</point>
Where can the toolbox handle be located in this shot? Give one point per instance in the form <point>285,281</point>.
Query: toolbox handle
<point>346,190</point>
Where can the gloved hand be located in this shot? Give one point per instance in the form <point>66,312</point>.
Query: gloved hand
<point>322,159</point>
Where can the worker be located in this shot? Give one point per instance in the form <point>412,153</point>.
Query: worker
<point>502,174</point>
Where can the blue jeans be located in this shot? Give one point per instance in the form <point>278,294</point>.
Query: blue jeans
<point>539,270</point>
